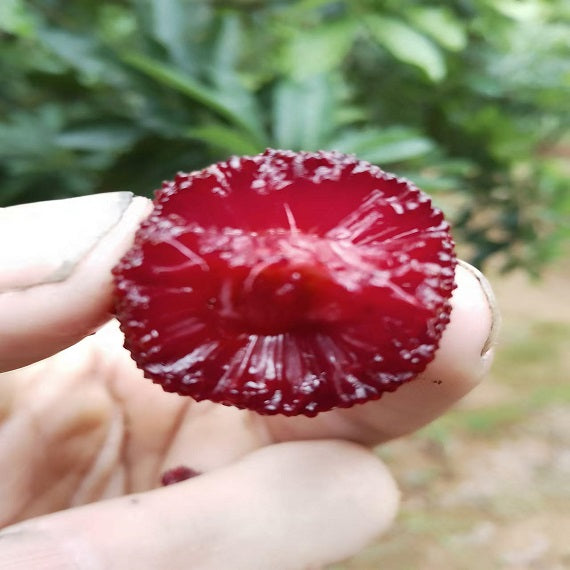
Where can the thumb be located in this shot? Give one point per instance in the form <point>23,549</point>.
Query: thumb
<point>55,276</point>
<point>288,506</point>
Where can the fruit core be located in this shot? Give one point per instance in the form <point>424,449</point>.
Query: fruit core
<point>297,283</point>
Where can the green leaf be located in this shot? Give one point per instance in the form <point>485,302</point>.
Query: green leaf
<point>168,18</point>
<point>225,77</point>
<point>16,19</point>
<point>319,50</point>
<point>97,138</point>
<point>441,24</point>
<point>521,10</point>
<point>407,45</point>
<point>226,138</point>
<point>177,80</point>
<point>30,135</point>
<point>82,53</point>
<point>226,52</point>
<point>383,146</point>
<point>117,24</point>
<point>302,113</point>
<point>304,7</point>
<point>183,83</point>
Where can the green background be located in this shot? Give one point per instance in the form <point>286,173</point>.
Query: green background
<point>468,98</point>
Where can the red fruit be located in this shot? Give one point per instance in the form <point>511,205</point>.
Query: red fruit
<point>287,283</point>
<point>178,474</point>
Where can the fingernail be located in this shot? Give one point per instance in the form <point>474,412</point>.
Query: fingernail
<point>44,241</point>
<point>493,308</point>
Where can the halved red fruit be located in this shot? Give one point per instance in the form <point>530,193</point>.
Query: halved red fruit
<point>287,282</point>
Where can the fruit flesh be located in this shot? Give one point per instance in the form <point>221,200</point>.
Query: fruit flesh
<point>287,283</point>
<point>177,475</point>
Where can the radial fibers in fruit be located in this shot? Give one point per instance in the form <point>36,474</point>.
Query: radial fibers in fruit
<point>287,282</point>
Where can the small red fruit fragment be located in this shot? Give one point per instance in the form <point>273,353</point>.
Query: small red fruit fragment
<point>287,282</point>
<point>177,474</point>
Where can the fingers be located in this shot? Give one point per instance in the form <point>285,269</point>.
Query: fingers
<point>55,281</point>
<point>462,360</point>
<point>288,506</point>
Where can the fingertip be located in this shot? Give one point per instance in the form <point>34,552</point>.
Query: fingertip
<point>466,348</point>
<point>332,480</point>
<point>461,362</point>
<point>48,239</point>
<point>55,296</point>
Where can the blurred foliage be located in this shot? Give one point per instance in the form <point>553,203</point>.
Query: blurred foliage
<point>469,98</point>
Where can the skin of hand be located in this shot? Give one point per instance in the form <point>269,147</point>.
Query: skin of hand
<point>84,438</point>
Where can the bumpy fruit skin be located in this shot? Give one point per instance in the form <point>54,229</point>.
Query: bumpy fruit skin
<point>287,282</point>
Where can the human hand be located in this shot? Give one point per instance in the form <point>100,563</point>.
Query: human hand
<point>82,433</point>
